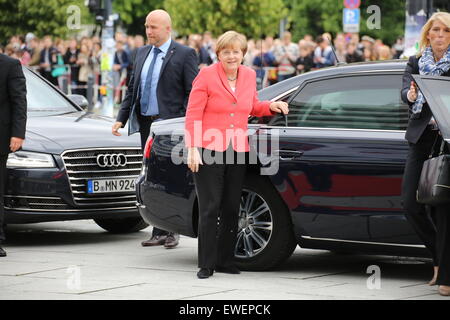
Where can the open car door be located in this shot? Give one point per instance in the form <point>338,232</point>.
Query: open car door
<point>437,93</point>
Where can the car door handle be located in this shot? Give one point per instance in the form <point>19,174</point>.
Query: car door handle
<point>289,154</point>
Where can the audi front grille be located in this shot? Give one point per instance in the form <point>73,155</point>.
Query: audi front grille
<point>102,163</point>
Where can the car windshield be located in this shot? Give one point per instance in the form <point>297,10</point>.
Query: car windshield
<point>437,93</point>
<point>42,99</point>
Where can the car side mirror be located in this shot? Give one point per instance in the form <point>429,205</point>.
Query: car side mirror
<point>79,100</point>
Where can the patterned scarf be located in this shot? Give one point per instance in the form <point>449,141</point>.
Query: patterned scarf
<point>428,66</point>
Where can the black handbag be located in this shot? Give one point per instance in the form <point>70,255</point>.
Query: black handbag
<point>434,183</point>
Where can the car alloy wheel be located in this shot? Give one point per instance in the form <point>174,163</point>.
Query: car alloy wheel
<point>255,225</point>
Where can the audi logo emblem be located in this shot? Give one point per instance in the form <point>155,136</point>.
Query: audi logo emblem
<point>111,160</point>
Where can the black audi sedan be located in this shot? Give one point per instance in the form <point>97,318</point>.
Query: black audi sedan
<point>338,161</point>
<point>71,166</point>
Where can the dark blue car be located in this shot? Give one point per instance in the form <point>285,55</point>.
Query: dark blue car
<point>71,166</point>
<point>339,164</point>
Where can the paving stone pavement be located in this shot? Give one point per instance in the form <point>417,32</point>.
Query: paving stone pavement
<point>77,260</point>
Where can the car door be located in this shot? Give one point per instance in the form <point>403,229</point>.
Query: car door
<point>437,93</point>
<point>341,158</point>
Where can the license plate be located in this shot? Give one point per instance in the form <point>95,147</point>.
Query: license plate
<point>111,185</point>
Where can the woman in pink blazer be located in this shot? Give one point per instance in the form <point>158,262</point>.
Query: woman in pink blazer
<point>222,98</point>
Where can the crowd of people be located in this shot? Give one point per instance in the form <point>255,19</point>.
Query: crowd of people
<point>274,59</point>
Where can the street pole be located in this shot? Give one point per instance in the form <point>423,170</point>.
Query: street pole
<point>430,8</point>
<point>108,47</point>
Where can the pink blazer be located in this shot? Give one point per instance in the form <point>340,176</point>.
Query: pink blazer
<point>216,115</point>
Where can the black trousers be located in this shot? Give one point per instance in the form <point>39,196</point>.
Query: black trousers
<point>3,159</point>
<point>219,187</point>
<point>145,124</point>
<point>431,224</point>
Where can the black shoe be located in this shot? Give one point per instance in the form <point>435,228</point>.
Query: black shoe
<point>2,252</point>
<point>171,240</point>
<point>154,241</point>
<point>231,270</point>
<point>205,273</point>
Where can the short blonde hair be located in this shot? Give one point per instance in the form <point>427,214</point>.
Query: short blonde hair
<point>229,39</point>
<point>443,17</point>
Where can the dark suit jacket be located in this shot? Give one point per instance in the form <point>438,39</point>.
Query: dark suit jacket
<point>417,122</point>
<point>13,102</point>
<point>179,69</point>
<point>51,54</point>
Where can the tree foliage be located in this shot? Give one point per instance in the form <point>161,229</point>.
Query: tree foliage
<point>42,17</point>
<point>254,18</point>
<point>133,13</point>
<point>317,17</point>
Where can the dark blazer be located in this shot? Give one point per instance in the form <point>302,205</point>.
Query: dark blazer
<point>417,122</point>
<point>179,69</point>
<point>13,102</point>
<point>51,54</point>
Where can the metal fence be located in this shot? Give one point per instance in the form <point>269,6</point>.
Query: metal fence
<point>94,90</point>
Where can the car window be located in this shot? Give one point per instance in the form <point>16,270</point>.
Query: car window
<point>42,99</point>
<point>353,102</point>
<point>437,93</point>
<point>271,120</point>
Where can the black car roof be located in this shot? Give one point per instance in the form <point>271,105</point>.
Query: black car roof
<point>389,65</point>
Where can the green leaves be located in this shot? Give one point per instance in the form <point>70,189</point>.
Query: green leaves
<point>317,17</point>
<point>254,18</point>
<point>133,13</point>
<point>41,17</point>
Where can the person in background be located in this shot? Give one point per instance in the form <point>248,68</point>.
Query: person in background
<point>353,54</point>
<point>340,47</point>
<point>263,59</point>
<point>398,48</point>
<point>138,42</point>
<point>85,68</point>
<point>23,56</point>
<point>305,61</point>
<point>195,42</point>
<point>384,53</point>
<point>71,58</point>
<point>250,55</point>
<point>367,42</point>
<point>35,49</point>
<point>323,55</point>
<point>369,54</point>
<point>222,98</point>
<point>209,46</point>
<point>48,60</point>
<point>269,42</point>
<point>422,133</point>
<point>120,67</point>
<point>286,55</point>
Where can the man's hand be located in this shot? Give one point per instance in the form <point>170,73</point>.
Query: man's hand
<point>115,128</point>
<point>15,144</point>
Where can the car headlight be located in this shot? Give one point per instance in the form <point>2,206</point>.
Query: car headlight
<point>23,159</point>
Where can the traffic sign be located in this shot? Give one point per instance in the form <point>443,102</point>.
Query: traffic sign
<point>351,19</point>
<point>352,4</point>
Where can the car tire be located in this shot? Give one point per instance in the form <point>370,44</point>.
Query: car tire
<point>271,231</point>
<point>125,225</point>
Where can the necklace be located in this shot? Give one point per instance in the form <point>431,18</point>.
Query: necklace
<point>229,79</point>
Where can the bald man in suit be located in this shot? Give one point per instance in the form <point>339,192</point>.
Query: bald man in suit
<point>159,89</point>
